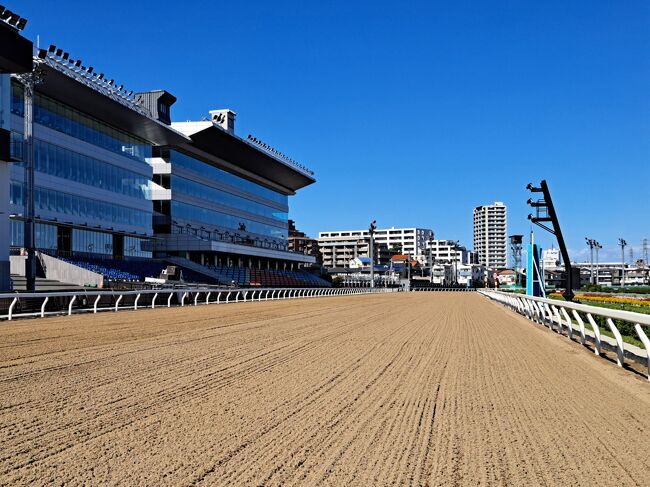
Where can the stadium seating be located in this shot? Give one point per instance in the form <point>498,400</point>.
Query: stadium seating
<point>135,270</point>
<point>243,276</point>
<point>131,270</point>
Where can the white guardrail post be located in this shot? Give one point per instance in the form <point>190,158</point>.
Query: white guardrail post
<point>561,313</point>
<point>646,343</point>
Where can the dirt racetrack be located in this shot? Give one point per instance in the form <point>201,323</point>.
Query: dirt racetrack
<point>407,389</point>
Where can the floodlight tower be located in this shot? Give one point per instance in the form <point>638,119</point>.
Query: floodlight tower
<point>592,244</point>
<point>516,244</point>
<point>30,81</point>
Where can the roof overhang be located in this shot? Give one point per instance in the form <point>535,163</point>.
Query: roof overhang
<point>76,94</point>
<point>15,52</point>
<point>230,148</point>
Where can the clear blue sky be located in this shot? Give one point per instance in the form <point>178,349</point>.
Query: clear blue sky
<point>410,113</point>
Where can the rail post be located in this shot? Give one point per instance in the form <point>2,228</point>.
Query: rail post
<point>196,298</point>
<point>11,308</point>
<point>620,351</point>
<point>228,297</point>
<point>74,298</point>
<point>47,298</point>
<point>207,297</point>
<point>153,300</point>
<point>581,324</point>
<point>568,323</point>
<point>117,303</point>
<point>99,296</point>
<point>646,343</point>
<point>596,329</point>
<point>169,299</point>
<point>135,304</point>
<point>183,299</point>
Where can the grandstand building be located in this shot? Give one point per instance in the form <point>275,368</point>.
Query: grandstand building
<point>122,191</point>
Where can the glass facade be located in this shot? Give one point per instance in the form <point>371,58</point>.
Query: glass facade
<point>45,235</point>
<point>92,242</point>
<point>207,171</point>
<point>17,230</point>
<point>57,161</point>
<point>57,116</point>
<point>78,206</point>
<point>201,191</point>
<point>223,221</point>
<point>133,247</point>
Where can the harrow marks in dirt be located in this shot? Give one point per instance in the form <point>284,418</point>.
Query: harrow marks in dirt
<point>411,389</point>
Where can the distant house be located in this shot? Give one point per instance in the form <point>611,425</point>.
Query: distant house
<point>506,277</point>
<point>359,263</point>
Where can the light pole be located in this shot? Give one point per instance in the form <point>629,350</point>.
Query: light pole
<point>622,243</point>
<point>591,243</point>
<point>30,80</point>
<point>597,246</point>
<point>431,258</point>
<point>371,230</point>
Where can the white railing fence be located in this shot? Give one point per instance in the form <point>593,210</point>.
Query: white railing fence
<point>15,305</point>
<point>563,316</point>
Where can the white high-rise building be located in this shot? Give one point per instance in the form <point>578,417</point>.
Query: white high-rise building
<point>340,246</point>
<point>490,235</point>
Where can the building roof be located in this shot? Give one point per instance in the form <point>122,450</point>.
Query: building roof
<point>214,140</point>
<point>82,96</point>
<point>15,51</point>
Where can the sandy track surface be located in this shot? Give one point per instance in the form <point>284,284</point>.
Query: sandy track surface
<point>407,389</point>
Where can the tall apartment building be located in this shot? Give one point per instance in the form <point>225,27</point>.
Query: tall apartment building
<point>490,235</point>
<point>339,247</point>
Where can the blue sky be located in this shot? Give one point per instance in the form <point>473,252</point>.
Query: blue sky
<point>409,114</point>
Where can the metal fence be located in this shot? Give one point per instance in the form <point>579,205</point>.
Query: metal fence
<point>41,304</point>
<point>562,316</point>
<point>444,289</point>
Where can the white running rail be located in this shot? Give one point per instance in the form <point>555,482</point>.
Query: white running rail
<point>35,304</point>
<point>560,316</point>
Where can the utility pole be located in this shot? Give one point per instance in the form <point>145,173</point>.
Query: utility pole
<point>371,230</point>
<point>622,243</point>
<point>408,268</point>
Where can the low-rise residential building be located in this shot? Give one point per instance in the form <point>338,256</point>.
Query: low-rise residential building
<point>301,243</point>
